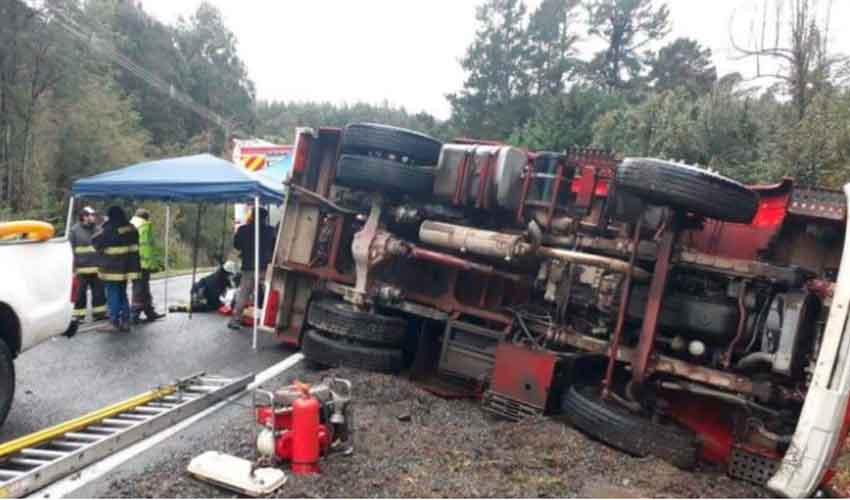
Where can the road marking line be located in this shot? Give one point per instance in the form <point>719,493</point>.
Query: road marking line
<point>65,487</point>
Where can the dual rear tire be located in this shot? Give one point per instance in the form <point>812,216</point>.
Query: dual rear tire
<point>339,334</point>
<point>386,159</point>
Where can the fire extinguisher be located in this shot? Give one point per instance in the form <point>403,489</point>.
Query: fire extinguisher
<point>305,429</point>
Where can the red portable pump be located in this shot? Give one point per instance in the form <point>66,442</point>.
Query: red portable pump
<point>301,423</point>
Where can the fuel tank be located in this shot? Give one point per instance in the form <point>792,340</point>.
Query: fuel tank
<point>480,176</point>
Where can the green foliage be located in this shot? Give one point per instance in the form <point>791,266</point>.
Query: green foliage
<point>495,96</point>
<point>278,120</point>
<point>66,111</point>
<point>718,130</point>
<point>683,63</point>
<point>96,130</point>
<point>626,27</point>
<point>551,55</point>
<point>217,77</point>
<point>565,120</point>
<point>151,45</point>
<point>215,235</point>
<point>817,149</point>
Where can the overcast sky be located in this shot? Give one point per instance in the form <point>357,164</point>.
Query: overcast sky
<point>406,51</point>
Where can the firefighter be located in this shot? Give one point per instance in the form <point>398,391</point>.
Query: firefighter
<point>85,267</point>
<point>117,244</point>
<point>244,242</point>
<point>142,298</point>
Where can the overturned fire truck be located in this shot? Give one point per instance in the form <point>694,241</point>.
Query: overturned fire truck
<point>658,307</point>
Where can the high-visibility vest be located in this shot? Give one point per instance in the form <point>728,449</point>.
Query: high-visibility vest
<point>146,248</point>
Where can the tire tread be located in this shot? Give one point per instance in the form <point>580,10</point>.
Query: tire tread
<point>338,318</point>
<point>686,187</point>
<point>333,352</point>
<point>363,138</point>
<point>628,432</point>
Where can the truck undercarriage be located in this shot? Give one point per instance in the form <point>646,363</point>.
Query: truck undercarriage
<point>658,307</point>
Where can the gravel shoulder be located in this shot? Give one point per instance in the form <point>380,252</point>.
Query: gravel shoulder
<point>410,443</point>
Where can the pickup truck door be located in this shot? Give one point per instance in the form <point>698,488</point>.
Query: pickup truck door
<point>36,284</point>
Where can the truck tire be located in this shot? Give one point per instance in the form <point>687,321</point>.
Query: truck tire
<point>626,431</point>
<point>688,188</point>
<point>324,350</point>
<point>7,381</point>
<point>369,173</point>
<point>344,320</point>
<point>367,138</point>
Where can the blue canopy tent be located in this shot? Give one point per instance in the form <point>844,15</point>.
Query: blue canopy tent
<point>189,178</point>
<point>198,178</point>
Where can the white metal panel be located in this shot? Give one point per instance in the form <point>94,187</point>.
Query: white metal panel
<point>36,284</point>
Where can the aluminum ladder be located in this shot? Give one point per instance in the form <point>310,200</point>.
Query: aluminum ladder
<point>32,462</point>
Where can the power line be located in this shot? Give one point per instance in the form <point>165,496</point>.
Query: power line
<point>79,31</point>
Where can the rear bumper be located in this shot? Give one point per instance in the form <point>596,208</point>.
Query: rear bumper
<point>818,436</point>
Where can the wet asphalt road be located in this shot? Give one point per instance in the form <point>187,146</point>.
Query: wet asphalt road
<point>64,378</point>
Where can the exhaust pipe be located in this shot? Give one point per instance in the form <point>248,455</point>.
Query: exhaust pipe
<point>509,246</point>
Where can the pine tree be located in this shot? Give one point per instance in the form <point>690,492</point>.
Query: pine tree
<point>495,95</point>
<point>683,63</point>
<point>552,39</point>
<point>626,27</point>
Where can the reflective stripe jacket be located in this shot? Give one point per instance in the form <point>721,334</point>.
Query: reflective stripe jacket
<point>118,252</point>
<point>85,255</point>
<point>146,250</point>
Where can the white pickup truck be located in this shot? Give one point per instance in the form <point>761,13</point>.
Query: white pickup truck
<point>34,295</point>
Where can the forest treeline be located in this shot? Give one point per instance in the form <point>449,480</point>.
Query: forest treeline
<point>88,85</point>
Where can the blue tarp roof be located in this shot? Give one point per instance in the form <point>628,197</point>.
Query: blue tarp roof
<point>189,178</point>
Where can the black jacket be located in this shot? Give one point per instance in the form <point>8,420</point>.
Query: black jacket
<point>85,256</point>
<point>207,292</point>
<point>118,252</point>
<point>243,241</point>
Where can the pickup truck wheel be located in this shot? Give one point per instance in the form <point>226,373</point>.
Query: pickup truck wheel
<point>324,350</point>
<point>7,381</point>
<point>368,138</point>
<point>379,174</point>
<point>689,188</point>
<point>635,434</point>
<point>344,320</point>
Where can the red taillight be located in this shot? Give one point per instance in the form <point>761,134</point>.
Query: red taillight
<point>302,152</point>
<point>270,312</point>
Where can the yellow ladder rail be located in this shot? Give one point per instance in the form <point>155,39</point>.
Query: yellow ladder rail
<point>44,435</point>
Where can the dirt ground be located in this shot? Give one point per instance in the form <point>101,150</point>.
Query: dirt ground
<point>410,443</point>
<point>841,484</point>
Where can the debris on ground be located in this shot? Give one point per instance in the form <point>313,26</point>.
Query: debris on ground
<point>841,483</point>
<point>410,443</point>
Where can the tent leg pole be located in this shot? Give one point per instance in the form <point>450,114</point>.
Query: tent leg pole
<point>70,217</point>
<point>256,264</point>
<point>195,254</point>
<point>167,232</point>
